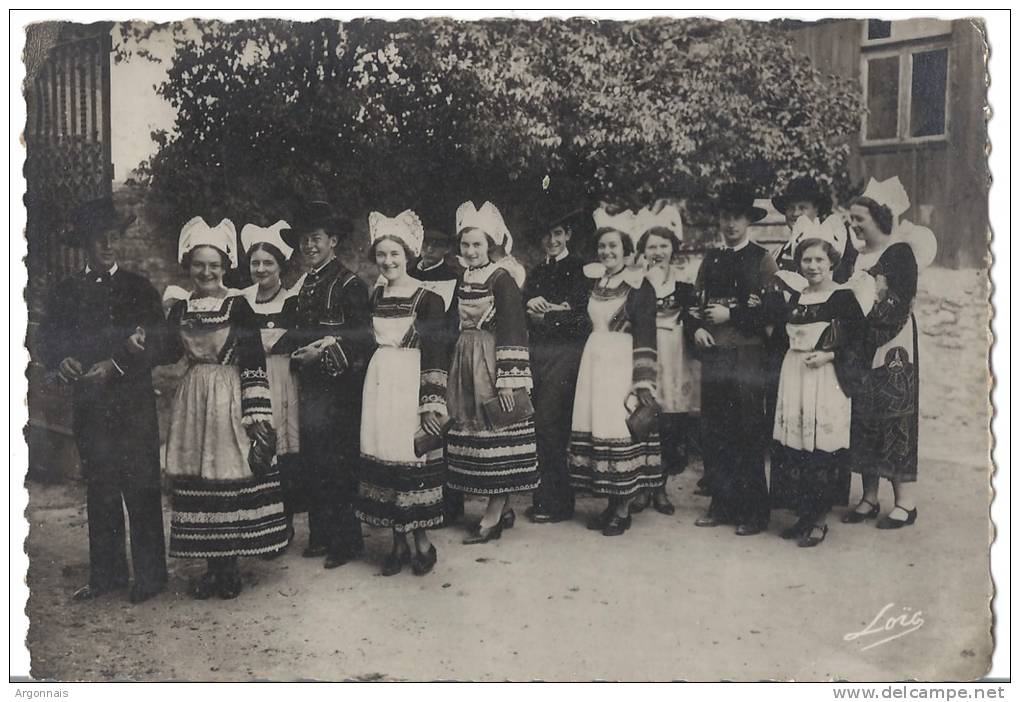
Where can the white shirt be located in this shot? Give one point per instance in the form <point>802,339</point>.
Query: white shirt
<point>739,246</point>
<point>88,270</point>
<point>430,268</point>
<point>559,257</point>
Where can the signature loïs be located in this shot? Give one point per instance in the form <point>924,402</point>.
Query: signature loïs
<point>895,625</point>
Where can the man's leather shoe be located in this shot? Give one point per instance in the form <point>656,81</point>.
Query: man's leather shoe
<point>314,552</point>
<point>749,529</point>
<point>87,592</point>
<point>538,517</point>
<point>335,560</point>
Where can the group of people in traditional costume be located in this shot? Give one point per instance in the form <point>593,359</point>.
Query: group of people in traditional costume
<point>386,404</point>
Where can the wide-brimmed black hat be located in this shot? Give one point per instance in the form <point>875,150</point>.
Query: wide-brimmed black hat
<point>802,189</point>
<point>95,217</point>
<point>316,214</point>
<point>437,235</point>
<point>568,215</point>
<point>738,197</point>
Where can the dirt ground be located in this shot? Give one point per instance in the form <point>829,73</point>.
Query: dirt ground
<point>557,602</point>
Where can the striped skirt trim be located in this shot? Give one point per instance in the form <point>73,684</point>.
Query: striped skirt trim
<point>493,462</point>
<point>402,496</point>
<point>220,519</point>
<point>613,467</point>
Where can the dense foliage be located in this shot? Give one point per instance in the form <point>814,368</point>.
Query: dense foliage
<point>424,114</point>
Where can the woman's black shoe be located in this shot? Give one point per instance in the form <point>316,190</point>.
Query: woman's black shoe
<point>795,531</point>
<point>855,517</point>
<point>206,586</point>
<point>481,535</point>
<point>660,501</point>
<point>507,519</point>
<point>423,563</point>
<point>887,522</point>
<point>640,503</point>
<point>814,535</point>
<point>616,525</point>
<point>230,585</point>
<point>396,560</point>
<point>599,521</point>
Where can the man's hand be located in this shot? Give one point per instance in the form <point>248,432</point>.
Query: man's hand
<point>70,369</point>
<point>538,304</point>
<point>704,339</point>
<point>432,423</point>
<point>506,399</point>
<point>717,314</point>
<point>313,351</point>
<point>100,372</point>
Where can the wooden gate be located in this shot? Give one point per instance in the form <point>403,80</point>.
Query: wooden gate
<point>68,161</point>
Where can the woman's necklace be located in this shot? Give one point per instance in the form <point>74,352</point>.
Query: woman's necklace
<point>272,297</point>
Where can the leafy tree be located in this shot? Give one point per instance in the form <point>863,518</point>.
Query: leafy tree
<point>424,114</point>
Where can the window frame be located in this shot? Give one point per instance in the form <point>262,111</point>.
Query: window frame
<point>940,29</point>
<point>905,50</point>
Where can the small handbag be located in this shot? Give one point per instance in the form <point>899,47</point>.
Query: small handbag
<point>425,442</point>
<point>262,454</point>
<point>498,419</point>
<point>642,420</point>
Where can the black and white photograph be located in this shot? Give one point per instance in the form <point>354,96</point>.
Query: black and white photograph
<point>564,347</point>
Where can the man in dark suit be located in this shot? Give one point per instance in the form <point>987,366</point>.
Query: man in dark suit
<point>330,341</point>
<point>84,337</point>
<point>729,328</point>
<point>556,297</point>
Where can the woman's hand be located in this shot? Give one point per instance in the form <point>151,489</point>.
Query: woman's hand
<point>753,301</point>
<point>432,423</point>
<point>646,398</point>
<point>881,287</point>
<point>817,359</point>
<point>703,339</point>
<point>695,312</point>
<point>506,399</point>
<point>259,431</point>
<point>717,314</point>
<point>135,344</point>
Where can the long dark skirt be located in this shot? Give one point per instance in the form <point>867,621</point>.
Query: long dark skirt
<point>227,518</point>
<point>733,428</point>
<point>884,417</point>
<point>809,483</point>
